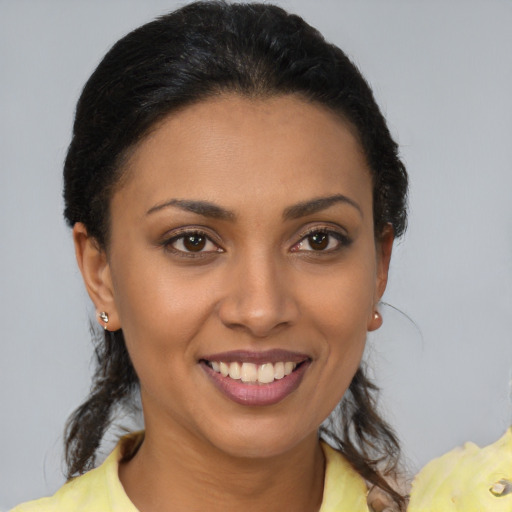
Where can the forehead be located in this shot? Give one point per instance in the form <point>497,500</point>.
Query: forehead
<point>240,151</point>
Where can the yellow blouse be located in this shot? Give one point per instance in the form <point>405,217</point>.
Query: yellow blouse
<point>100,489</point>
<point>467,479</point>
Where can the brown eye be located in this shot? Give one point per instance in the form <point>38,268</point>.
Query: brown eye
<point>321,241</point>
<point>194,243</point>
<point>318,241</point>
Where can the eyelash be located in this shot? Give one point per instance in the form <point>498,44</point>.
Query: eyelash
<point>341,239</point>
<point>169,244</point>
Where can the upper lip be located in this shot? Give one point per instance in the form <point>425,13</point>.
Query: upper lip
<point>249,356</point>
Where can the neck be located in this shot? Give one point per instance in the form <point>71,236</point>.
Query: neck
<point>169,473</point>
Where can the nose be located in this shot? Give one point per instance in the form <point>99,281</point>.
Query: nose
<point>259,298</point>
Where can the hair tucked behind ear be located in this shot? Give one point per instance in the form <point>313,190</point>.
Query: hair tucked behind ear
<point>113,383</point>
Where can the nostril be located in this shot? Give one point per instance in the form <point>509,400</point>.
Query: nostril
<point>257,297</point>
<point>258,321</point>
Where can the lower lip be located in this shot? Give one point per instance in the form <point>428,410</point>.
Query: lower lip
<point>257,394</point>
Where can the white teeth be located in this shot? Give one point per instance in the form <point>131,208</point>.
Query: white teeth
<point>252,373</point>
<point>234,371</point>
<point>289,367</point>
<point>249,372</point>
<point>278,371</point>
<point>224,369</point>
<point>266,373</point>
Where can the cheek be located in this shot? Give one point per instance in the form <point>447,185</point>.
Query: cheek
<point>342,301</point>
<point>342,322</point>
<point>161,310</point>
<point>340,307</point>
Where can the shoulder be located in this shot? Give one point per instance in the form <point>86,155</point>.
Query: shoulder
<point>98,490</point>
<point>467,479</point>
<point>80,494</point>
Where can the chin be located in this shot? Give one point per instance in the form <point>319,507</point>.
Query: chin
<point>259,440</point>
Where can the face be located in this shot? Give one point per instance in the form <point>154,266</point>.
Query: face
<point>244,271</point>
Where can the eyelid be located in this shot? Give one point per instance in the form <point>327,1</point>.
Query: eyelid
<point>172,236</point>
<point>322,228</point>
<point>335,231</point>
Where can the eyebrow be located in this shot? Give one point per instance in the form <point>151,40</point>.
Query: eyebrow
<point>318,204</point>
<point>208,209</point>
<point>204,208</point>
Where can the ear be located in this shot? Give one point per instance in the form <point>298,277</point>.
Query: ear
<point>93,263</point>
<point>384,247</point>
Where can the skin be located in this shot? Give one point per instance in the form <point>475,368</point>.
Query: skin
<point>257,284</point>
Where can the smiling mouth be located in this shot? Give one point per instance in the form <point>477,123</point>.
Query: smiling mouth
<point>252,373</point>
<point>254,378</point>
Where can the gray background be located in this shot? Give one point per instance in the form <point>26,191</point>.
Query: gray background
<point>442,72</point>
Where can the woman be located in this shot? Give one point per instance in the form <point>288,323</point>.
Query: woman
<point>234,195</point>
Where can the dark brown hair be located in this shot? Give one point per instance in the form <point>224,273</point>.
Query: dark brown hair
<point>201,50</point>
